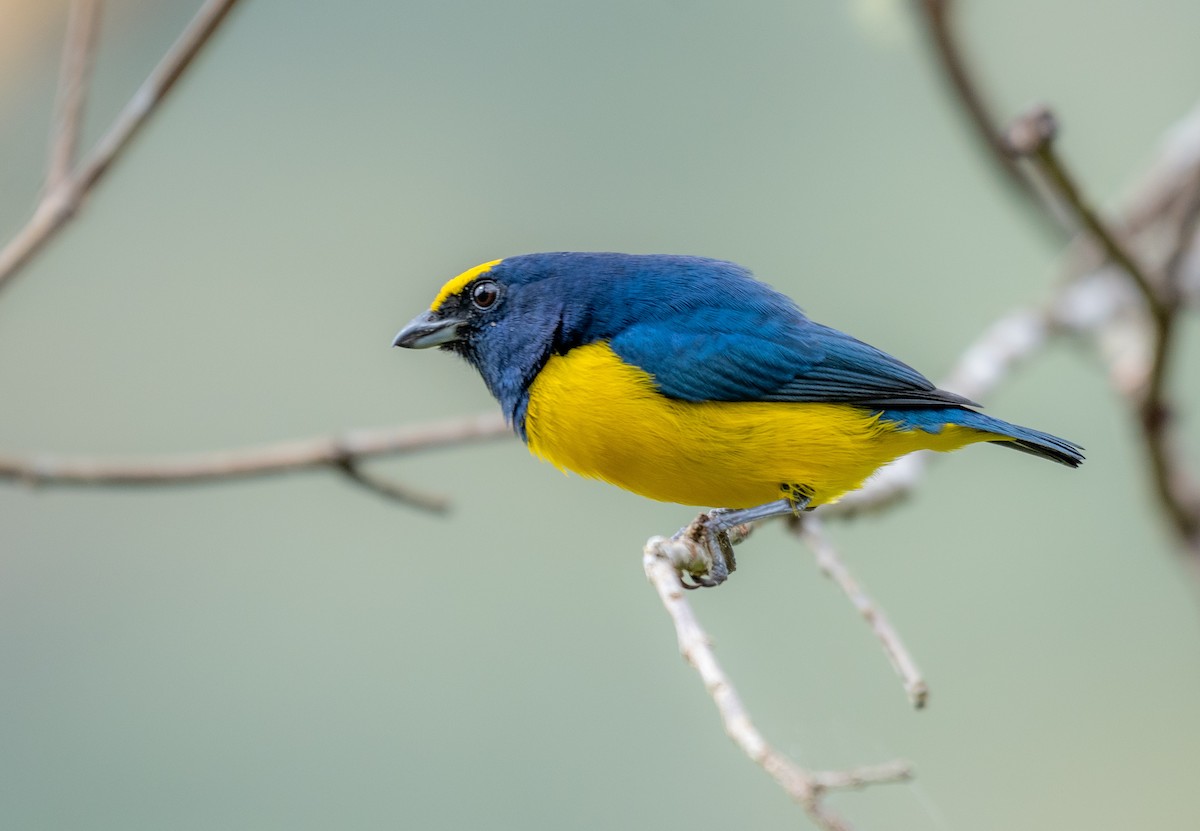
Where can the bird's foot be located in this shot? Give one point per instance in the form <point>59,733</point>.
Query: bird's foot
<point>713,539</point>
<point>712,536</point>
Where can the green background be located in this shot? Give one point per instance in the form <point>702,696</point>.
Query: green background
<point>296,653</point>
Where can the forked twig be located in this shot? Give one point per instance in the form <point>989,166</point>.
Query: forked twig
<point>65,193</point>
<point>812,531</point>
<point>79,47</point>
<point>342,452</point>
<point>663,559</point>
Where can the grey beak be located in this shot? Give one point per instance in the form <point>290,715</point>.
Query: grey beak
<point>427,330</point>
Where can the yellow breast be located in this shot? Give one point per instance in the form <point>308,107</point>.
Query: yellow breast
<point>591,413</point>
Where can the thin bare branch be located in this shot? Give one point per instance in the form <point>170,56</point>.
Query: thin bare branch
<point>83,26</point>
<point>663,559</point>
<point>1174,487</point>
<point>1168,179</point>
<point>60,203</point>
<point>1188,227</point>
<point>392,490</point>
<point>937,16</point>
<point>265,460</point>
<point>1032,135</point>
<point>810,530</point>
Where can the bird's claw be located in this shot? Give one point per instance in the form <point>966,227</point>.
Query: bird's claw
<point>697,582</point>
<point>707,531</point>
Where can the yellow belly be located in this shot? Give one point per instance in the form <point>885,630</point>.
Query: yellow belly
<point>591,413</point>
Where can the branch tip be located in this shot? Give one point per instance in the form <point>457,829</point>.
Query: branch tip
<point>1032,133</point>
<point>810,530</point>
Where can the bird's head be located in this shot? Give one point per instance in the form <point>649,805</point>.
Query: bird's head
<point>502,316</point>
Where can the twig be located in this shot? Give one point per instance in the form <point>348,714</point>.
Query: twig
<point>1173,485</point>
<point>690,555</point>
<point>1169,180</point>
<point>336,451</point>
<point>1185,239</point>
<point>1177,490</point>
<point>83,25</point>
<point>1032,135</point>
<point>811,531</point>
<point>936,14</point>
<point>389,489</point>
<point>60,202</point>
<point>663,559</point>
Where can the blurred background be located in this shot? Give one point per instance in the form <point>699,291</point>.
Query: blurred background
<point>297,653</point>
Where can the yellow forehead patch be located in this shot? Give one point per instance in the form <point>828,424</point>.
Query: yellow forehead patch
<point>456,285</point>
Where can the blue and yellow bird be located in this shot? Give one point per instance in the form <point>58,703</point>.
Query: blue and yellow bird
<point>687,380</point>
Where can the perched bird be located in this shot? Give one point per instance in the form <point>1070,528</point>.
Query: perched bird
<point>685,379</point>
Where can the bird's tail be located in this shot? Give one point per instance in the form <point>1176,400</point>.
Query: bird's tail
<point>1020,438</point>
<point>1010,435</point>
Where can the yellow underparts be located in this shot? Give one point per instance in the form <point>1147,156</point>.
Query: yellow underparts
<point>591,413</point>
<point>458,283</point>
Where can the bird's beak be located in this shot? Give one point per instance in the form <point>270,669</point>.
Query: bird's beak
<point>427,330</point>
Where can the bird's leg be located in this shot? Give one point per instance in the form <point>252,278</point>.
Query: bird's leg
<point>712,529</point>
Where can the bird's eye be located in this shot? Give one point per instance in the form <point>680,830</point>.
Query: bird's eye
<point>484,294</point>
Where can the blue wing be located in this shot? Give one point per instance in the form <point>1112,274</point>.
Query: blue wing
<point>706,330</point>
<point>714,354</point>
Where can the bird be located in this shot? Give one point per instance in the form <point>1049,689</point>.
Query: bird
<point>686,379</point>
